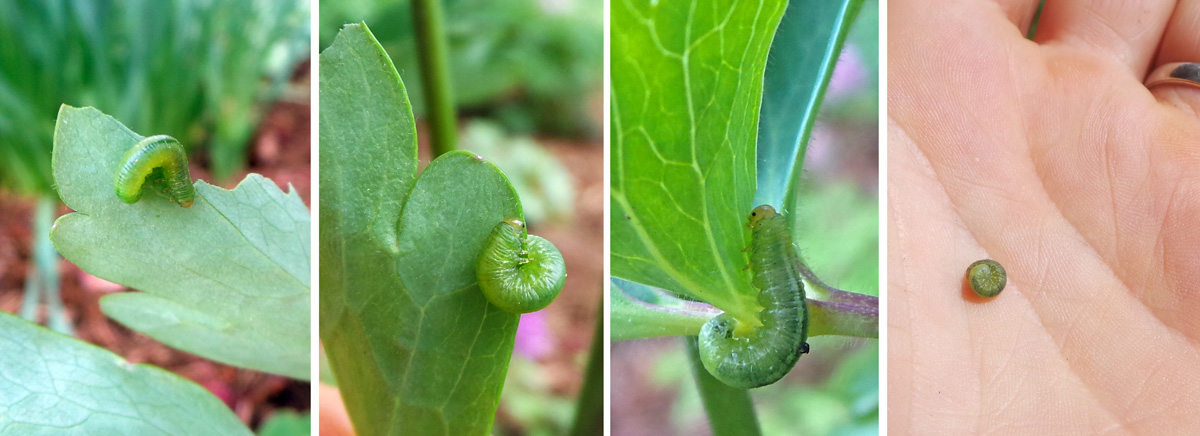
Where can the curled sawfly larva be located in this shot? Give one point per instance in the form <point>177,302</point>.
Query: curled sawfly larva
<point>770,350</point>
<point>987,278</point>
<point>517,272</point>
<point>159,162</point>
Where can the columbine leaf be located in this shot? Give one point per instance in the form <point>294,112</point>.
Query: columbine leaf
<point>227,278</point>
<point>686,88</point>
<point>51,384</point>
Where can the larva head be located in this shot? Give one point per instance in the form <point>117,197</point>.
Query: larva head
<point>515,223</point>
<point>760,213</point>
<point>987,278</point>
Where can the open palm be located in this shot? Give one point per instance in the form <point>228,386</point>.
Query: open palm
<point>1051,157</point>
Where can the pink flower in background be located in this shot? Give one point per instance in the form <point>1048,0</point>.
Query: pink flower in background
<point>849,74</point>
<point>533,336</point>
<point>821,147</point>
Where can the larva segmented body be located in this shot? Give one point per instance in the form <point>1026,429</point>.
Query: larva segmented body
<point>517,272</point>
<point>160,162</point>
<point>771,350</point>
<point>987,278</point>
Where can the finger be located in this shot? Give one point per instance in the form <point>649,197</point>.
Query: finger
<point>1019,12</point>
<point>1181,43</point>
<point>1128,31</point>
<point>929,16</point>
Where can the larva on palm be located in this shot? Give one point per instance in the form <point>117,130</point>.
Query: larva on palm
<point>517,272</point>
<point>987,278</point>
<point>770,350</point>
<point>160,162</point>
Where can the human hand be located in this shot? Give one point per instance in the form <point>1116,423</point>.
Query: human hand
<point>1051,157</point>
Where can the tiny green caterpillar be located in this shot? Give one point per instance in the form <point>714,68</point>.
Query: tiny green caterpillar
<point>987,278</point>
<point>160,161</point>
<point>517,272</point>
<point>769,351</point>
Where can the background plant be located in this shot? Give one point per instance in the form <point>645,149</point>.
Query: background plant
<point>541,181</point>
<point>687,125</point>
<point>201,71</point>
<point>525,63</point>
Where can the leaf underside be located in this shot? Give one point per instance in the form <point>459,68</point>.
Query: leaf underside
<point>51,384</point>
<point>686,88</point>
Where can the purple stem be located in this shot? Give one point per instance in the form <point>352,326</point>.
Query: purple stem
<point>845,318</point>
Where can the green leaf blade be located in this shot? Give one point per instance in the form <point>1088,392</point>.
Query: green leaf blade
<point>226,279</point>
<point>51,384</point>
<point>686,88</point>
<point>368,160</point>
<point>365,116</point>
<point>463,343</point>
<point>415,346</point>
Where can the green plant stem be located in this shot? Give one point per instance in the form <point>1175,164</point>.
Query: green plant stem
<point>1037,16</point>
<point>730,411</point>
<point>42,281</point>
<point>33,293</point>
<point>633,318</point>
<point>832,311</point>
<point>435,74</point>
<point>589,413</point>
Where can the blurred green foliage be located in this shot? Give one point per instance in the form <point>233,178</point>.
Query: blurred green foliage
<point>837,232</point>
<point>533,409</point>
<point>286,423</point>
<point>845,403</point>
<point>541,181</point>
<point>527,63</point>
<point>199,70</point>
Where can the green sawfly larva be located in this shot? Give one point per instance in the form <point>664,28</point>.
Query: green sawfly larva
<point>770,350</point>
<point>160,162</point>
<point>987,278</point>
<point>518,272</point>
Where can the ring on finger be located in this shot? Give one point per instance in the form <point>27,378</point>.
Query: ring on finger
<point>1176,73</point>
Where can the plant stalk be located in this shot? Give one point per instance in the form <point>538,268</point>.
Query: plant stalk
<point>435,74</point>
<point>730,411</point>
<point>589,413</point>
<point>42,281</point>
<point>843,318</point>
